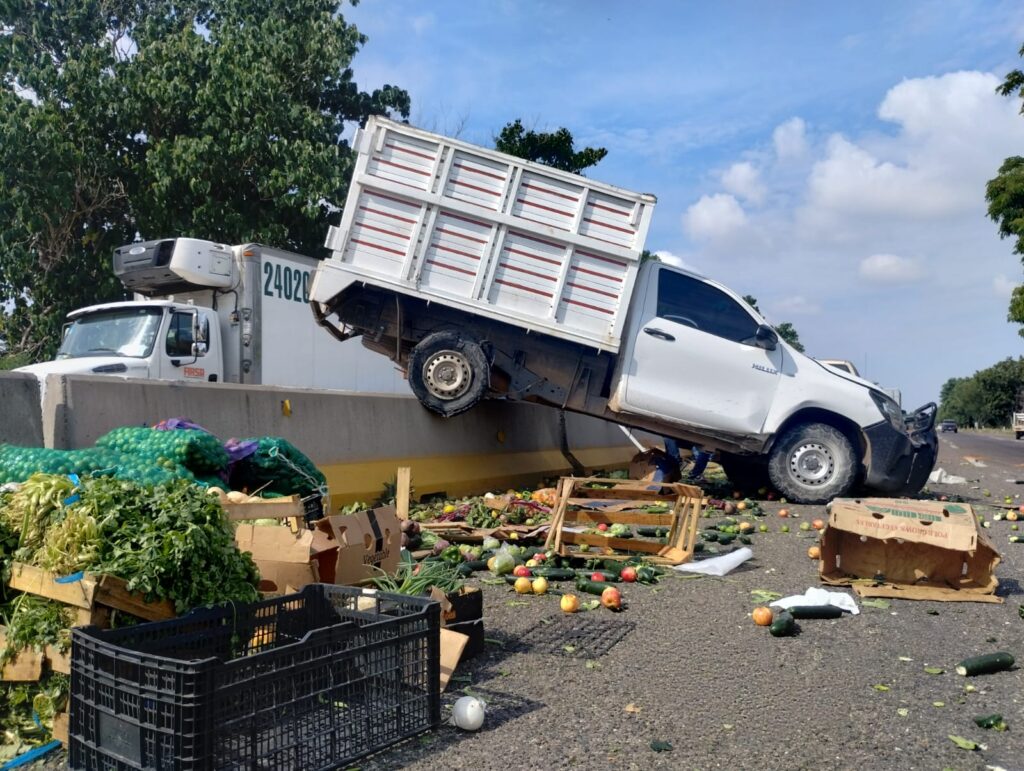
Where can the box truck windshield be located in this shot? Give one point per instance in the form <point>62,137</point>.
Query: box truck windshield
<point>129,332</point>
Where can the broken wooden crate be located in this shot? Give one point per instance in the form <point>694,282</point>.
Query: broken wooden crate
<point>583,506</point>
<point>92,597</point>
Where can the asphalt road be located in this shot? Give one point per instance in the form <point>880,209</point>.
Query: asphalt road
<point>694,671</point>
<point>968,449</point>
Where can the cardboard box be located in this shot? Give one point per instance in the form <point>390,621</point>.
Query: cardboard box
<point>368,542</point>
<point>286,560</point>
<point>913,550</point>
<point>463,612</point>
<point>340,550</point>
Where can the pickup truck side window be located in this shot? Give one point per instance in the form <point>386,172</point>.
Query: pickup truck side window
<point>179,336</point>
<point>688,301</point>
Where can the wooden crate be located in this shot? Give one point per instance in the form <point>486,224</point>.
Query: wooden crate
<point>583,506</point>
<point>28,665</point>
<point>92,597</point>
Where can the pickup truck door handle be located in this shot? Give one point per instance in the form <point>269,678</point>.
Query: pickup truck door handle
<point>653,332</point>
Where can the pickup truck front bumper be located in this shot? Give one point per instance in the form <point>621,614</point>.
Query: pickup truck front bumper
<point>897,461</point>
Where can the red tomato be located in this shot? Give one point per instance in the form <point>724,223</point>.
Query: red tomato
<point>597,577</point>
<point>628,574</point>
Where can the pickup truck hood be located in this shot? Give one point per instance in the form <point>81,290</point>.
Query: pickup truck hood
<point>87,365</point>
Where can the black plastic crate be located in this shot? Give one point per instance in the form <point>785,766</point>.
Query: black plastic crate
<point>312,680</point>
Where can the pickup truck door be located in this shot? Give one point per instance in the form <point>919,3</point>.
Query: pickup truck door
<point>693,357</point>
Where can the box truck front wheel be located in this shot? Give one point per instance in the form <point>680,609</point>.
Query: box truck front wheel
<point>812,463</point>
<point>448,373</point>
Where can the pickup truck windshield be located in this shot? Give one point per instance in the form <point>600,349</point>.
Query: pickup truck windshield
<point>128,332</point>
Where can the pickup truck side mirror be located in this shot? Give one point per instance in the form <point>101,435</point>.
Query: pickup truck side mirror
<point>766,338</point>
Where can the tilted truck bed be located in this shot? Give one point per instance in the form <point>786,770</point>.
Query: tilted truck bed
<point>486,232</point>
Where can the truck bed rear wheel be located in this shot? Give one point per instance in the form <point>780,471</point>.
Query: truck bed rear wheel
<point>448,373</point>
<point>812,463</point>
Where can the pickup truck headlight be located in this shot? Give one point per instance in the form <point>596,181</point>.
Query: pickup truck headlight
<point>889,409</point>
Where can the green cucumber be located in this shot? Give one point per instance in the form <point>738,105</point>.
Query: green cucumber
<point>592,587</point>
<point>555,574</point>
<point>468,568</point>
<point>783,625</point>
<point>815,611</point>
<point>1017,539</point>
<point>710,535</point>
<point>698,546</point>
<point>985,664</point>
<point>647,531</point>
<point>745,539</point>
<point>725,540</point>
<point>614,566</point>
<point>991,721</point>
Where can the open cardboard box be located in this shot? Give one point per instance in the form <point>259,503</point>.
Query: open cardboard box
<point>342,549</point>
<point>908,549</point>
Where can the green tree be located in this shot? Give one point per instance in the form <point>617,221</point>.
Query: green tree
<point>219,119</point>
<point>550,148</point>
<point>1005,196</point>
<point>788,333</point>
<point>750,300</point>
<point>986,398</point>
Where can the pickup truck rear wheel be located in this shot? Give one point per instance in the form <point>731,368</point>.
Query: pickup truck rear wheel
<point>812,463</point>
<point>448,373</point>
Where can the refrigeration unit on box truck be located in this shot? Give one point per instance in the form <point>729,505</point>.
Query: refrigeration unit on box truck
<point>484,275</point>
<point>215,313</point>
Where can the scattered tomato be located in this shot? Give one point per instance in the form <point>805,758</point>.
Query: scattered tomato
<point>611,598</point>
<point>523,585</point>
<point>628,574</point>
<point>597,576</point>
<point>783,513</point>
<point>818,524</point>
<point>762,616</point>
<point>540,586</point>
<point>569,603</point>
<point>521,571</point>
<point>602,526</point>
<point>814,552</point>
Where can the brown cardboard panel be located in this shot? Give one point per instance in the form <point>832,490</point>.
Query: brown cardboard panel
<point>452,645</point>
<point>285,558</point>
<point>924,550</point>
<point>368,542</point>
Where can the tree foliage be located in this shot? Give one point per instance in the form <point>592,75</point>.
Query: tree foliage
<point>1005,196</point>
<point>987,398</point>
<point>218,119</point>
<point>554,149</point>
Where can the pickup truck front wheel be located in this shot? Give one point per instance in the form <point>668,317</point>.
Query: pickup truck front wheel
<point>448,373</point>
<point>812,463</point>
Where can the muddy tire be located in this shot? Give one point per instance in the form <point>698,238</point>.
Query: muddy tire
<point>448,373</point>
<point>747,473</point>
<point>812,463</point>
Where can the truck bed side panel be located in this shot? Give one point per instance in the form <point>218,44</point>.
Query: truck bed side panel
<point>483,231</point>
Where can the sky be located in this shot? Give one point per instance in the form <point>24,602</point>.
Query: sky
<point>829,159</point>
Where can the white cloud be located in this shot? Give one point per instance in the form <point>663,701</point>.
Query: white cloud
<point>790,139</point>
<point>714,217</point>
<point>796,305</point>
<point>1003,286</point>
<point>422,23</point>
<point>890,269</point>
<point>744,180</point>
<point>675,260</point>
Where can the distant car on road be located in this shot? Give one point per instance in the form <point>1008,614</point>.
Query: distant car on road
<point>948,425</point>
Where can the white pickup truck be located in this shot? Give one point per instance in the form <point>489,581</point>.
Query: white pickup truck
<point>483,275</point>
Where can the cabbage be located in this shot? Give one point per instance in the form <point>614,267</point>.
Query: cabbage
<point>491,544</point>
<point>504,563</point>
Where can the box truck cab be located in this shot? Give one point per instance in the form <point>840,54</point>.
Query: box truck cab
<point>160,339</point>
<point>216,313</point>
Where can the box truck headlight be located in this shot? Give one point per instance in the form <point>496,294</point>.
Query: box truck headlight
<point>889,408</point>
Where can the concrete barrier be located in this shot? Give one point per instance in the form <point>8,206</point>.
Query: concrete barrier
<point>359,440</point>
<point>21,419</point>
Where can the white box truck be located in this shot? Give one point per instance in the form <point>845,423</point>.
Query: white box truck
<point>481,274</point>
<point>215,313</point>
